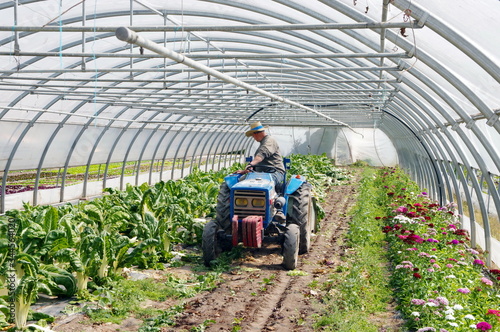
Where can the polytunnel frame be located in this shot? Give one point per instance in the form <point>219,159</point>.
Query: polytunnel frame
<point>427,19</point>
<point>475,184</point>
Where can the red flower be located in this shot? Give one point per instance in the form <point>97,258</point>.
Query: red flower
<point>417,275</point>
<point>387,229</point>
<point>462,232</point>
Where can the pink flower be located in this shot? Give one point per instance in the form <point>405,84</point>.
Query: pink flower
<point>463,290</point>
<point>478,262</point>
<point>493,312</point>
<point>483,326</point>
<point>487,281</point>
<point>402,209</point>
<point>449,266</point>
<point>418,301</point>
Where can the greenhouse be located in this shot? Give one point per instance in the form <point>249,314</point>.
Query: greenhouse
<point>105,95</point>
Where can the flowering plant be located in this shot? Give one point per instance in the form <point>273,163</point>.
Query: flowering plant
<point>440,282</point>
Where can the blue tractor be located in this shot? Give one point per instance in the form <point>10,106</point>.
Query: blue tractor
<point>251,211</point>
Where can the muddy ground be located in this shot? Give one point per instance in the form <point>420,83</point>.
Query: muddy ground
<point>258,294</point>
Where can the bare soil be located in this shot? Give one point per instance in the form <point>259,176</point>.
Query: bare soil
<point>259,294</point>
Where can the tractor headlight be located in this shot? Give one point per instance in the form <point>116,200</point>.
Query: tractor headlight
<point>241,202</point>
<point>258,202</point>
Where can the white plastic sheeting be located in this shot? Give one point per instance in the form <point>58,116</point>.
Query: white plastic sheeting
<point>414,83</point>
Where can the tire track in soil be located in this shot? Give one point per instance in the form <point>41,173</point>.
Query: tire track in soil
<point>258,295</point>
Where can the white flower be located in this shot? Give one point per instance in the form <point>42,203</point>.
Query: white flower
<point>457,307</point>
<point>430,304</point>
<point>451,276</point>
<point>450,317</point>
<point>416,314</point>
<point>449,311</point>
<point>469,316</point>
<point>453,324</point>
<point>473,326</point>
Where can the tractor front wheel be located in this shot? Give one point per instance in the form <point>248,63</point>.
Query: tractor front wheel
<point>291,247</point>
<point>209,244</point>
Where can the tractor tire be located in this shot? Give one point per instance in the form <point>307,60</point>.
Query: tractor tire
<point>291,247</point>
<point>209,244</point>
<point>222,216</point>
<point>301,212</point>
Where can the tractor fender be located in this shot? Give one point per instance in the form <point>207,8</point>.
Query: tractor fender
<point>294,183</point>
<point>232,179</point>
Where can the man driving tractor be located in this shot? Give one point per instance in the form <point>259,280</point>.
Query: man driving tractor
<point>268,157</point>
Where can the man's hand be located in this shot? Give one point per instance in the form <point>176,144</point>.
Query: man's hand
<point>249,168</point>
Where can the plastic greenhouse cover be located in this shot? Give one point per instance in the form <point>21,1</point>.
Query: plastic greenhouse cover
<point>476,21</point>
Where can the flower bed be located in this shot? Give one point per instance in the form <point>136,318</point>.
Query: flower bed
<point>441,283</point>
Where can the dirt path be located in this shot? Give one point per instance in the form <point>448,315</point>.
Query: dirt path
<point>259,294</point>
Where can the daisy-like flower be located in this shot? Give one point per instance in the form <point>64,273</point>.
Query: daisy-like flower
<point>463,290</point>
<point>418,301</point>
<point>442,300</point>
<point>478,262</point>
<point>416,314</point>
<point>449,311</point>
<point>483,326</point>
<point>469,316</point>
<point>487,281</point>
<point>458,307</point>
<point>493,312</point>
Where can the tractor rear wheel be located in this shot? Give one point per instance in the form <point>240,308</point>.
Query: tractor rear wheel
<point>291,247</point>
<point>209,244</point>
<point>301,212</point>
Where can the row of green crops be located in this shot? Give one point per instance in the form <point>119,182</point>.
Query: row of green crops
<point>357,293</point>
<point>440,281</point>
<point>56,251</point>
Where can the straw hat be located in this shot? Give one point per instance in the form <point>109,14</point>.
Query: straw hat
<point>255,127</point>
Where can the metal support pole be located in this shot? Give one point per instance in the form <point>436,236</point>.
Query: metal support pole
<point>130,36</point>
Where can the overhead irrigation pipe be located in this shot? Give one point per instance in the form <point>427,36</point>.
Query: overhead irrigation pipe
<point>131,37</point>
